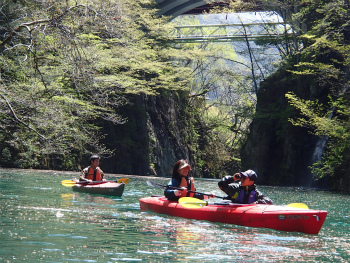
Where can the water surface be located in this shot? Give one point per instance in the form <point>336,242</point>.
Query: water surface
<point>44,221</point>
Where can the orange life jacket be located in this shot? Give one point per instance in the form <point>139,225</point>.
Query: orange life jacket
<point>189,185</point>
<point>94,175</point>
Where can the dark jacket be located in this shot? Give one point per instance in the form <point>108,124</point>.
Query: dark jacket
<point>175,182</point>
<point>232,189</point>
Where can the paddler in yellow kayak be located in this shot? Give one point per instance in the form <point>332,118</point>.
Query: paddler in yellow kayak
<point>241,188</point>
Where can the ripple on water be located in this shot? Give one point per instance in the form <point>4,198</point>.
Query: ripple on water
<point>66,235</point>
<point>39,243</point>
<point>284,238</point>
<point>127,259</point>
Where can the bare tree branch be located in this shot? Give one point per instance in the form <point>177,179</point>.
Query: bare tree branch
<point>17,119</point>
<point>28,24</point>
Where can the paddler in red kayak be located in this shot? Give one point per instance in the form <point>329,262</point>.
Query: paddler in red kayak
<point>92,172</point>
<point>180,179</point>
<point>241,188</point>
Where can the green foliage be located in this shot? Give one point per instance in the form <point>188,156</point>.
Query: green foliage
<point>65,66</point>
<point>327,53</point>
<point>222,101</point>
<point>221,108</point>
<point>331,121</point>
<point>68,66</point>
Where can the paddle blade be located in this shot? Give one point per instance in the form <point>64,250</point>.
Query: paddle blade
<point>123,180</point>
<point>68,183</point>
<point>298,205</point>
<point>191,202</point>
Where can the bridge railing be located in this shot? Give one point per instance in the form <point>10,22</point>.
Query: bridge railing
<point>230,32</point>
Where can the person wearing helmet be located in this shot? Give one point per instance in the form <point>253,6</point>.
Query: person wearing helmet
<point>182,183</point>
<point>92,172</point>
<point>241,188</point>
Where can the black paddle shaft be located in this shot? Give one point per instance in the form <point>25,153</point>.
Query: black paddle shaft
<point>157,185</point>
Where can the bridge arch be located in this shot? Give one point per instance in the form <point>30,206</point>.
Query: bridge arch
<point>176,8</point>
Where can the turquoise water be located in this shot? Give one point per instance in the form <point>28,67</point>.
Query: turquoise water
<point>44,221</point>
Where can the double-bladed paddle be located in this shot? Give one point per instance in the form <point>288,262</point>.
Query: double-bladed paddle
<point>191,202</point>
<point>70,183</point>
<point>157,185</point>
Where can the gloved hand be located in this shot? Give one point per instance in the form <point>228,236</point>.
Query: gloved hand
<point>237,176</point>
<point>181,192</point>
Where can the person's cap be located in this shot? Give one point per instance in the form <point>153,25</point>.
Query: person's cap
<point>251,174</point>
<point>184,165</point>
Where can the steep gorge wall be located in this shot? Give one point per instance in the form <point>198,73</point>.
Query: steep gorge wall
<point>152,139</point>
<point>278,151</point>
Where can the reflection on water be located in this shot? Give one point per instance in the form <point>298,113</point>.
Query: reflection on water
<point>43,221</point>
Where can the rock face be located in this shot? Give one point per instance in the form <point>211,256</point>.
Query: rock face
<point>279,152</point>
<point>152,139</point>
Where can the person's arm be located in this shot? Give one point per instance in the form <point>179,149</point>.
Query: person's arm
<point>83,175</point>
<point>261,199</point>
<point>225,181</point>
<point>102,174</point>
<point>174,194</point>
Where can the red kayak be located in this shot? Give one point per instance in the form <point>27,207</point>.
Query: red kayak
<point>276,217</point>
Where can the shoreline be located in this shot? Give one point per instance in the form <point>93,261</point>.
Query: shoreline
<point>78,173</point>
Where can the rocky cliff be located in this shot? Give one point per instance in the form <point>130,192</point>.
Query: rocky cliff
<point>279,152</point>
<point>152,139</point>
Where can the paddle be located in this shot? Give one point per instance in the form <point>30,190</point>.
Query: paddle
<point>191,202</point>
<point>157,185</point>
<point>123,180</point>
<point>298,205</point>
<point>70,183</point>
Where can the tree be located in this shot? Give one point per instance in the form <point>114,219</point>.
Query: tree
<point>327,53</point>
<point>222,102</point>
<point>68,65</point>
